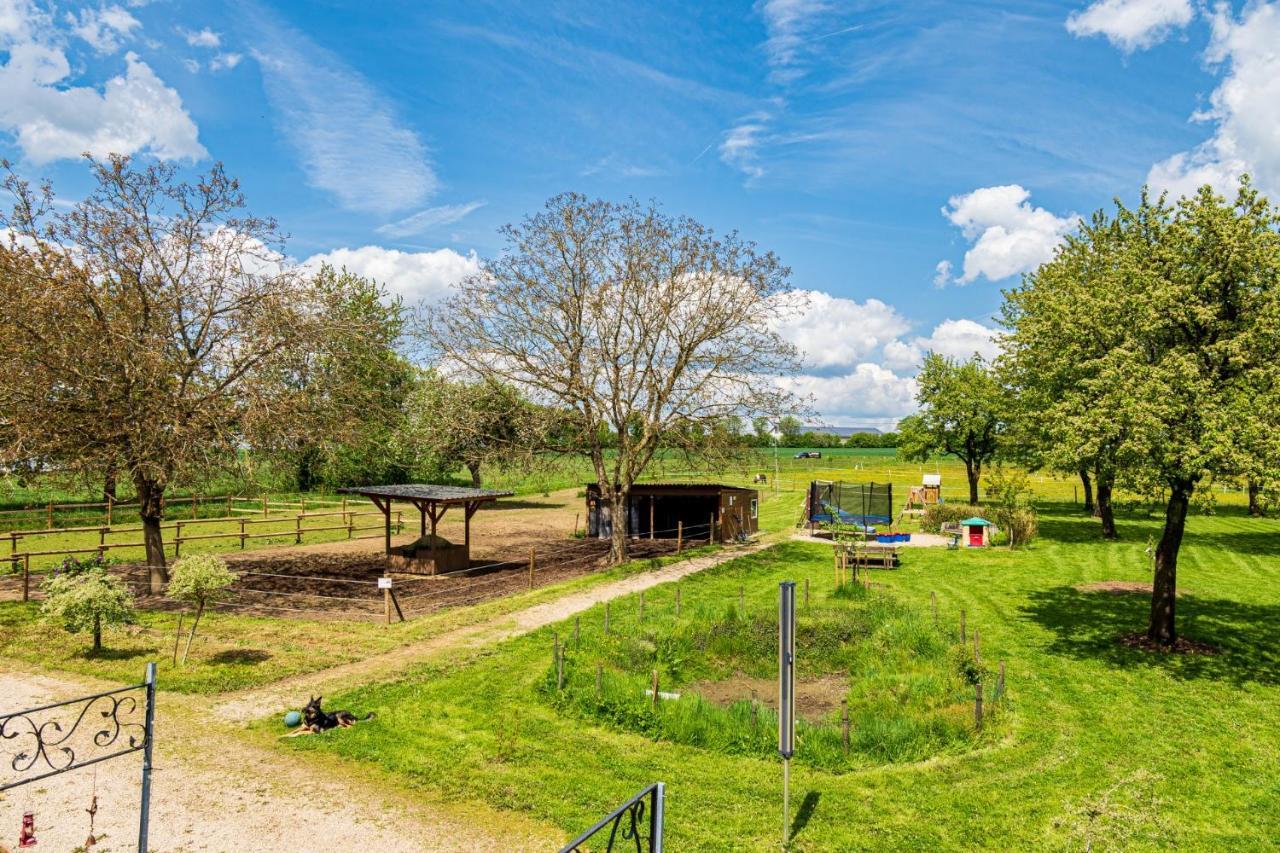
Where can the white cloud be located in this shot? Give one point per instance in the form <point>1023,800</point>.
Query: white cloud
<point>224,61</point>
<point>191,65</point>
<point>416,276</point>
<point>868,393</point>
<point>958,339</point>
<point>347,134</point>
<point>740,146</point>
<point>787,23</point>
<point>1009,235</point>
<point>131,113</point>
<point>202,38</point>
<point>432,217</point>
<point>833,332</point>
<point>1245,107</point>
<point>942,274</point>
<point>104,29</point>
<point>1131,24</point>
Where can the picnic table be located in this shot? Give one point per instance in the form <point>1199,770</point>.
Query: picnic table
<point>867,554</point>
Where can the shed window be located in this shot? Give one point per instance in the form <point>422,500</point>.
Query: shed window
<point>754,508</point>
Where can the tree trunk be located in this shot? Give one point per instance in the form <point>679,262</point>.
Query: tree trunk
<point>194,624</point>
<point>1165,585</point>
<point>308,459</point>
<point>109,484</point>
<point>474,468</point>
<point>1105,509</point>
<point>620,514</point>
<point>1255,505</point>
<point>974,471</point>
<point>97,632</point>
<point>151,510</point>
<point>1088,489</point>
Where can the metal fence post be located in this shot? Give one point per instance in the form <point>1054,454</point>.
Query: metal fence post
<point>144,812</point>
<point>656,818</point>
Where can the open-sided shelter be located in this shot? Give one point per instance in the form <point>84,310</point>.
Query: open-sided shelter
<point>692,510</point>
<point>429,554</point>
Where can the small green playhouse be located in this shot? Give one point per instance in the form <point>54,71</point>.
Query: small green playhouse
<point>977,532</point>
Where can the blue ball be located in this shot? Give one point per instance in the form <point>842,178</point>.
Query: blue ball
<point>293,718</point>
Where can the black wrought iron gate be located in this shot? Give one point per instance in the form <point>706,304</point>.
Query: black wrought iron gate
<point>42,746</point>
<point>636,823</point>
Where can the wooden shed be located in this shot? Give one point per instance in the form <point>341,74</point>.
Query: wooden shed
<point>693,510</point>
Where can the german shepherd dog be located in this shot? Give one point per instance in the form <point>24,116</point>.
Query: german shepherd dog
<point>316,720</point>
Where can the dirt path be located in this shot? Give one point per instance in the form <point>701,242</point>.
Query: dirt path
<point>212,791</point>
<point>259,702</point>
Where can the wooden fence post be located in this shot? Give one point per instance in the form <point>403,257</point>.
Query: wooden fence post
<point>351,523</point>
<point>711,529</point>
<point>575,524</point>
<point>679,535</point>
<point>110,505</point>
<point>228,513</point>
<point>242,533</point>
<point>533,556</point>
<point>298,530</point>
<point>576,626</point>
<point>844,724</point>
<point>977,646</point>
<point>977,705</point>
<point>964,635</point>
<point>102,541</point>
<point>26,577</point>
<point>806,593</point>
<point>264,506</point>
<point>599,678</point>
<point>386,601</point>
<point>195,505</point>
<point>344,503</point>
<point>655,688</point>
<point>677,600</point>
<point>49,517</point>
<point>177,539</point>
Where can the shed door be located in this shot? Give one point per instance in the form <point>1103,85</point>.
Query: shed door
<point>975,536</point>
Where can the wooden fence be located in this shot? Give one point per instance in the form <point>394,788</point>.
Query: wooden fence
<point>230,503</point>
<point>349,516</point>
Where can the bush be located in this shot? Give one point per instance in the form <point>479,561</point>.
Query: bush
<point>935,515</point>
<point>199,580</point>
<point>84,597</point>
<point>1018,523</point>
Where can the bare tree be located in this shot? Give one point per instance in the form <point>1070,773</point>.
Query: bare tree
<point>142,329</point>
<point>651,330</point>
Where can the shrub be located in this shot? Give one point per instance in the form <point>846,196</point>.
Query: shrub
<point>1018,523</point>
<point>199,580</point>
<point>935,515</point>
<point>84,597</point>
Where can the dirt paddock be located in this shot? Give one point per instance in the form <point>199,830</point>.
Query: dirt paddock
<point>345,585</point>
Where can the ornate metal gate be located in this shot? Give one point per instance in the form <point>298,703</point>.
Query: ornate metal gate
<point>637,822</point>
<point>44,747</point>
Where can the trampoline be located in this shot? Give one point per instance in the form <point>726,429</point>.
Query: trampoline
<point>859,505</point>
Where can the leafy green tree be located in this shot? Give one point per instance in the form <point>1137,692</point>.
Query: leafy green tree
<point>85,597</point>
<point>962,413</point>
<point>1188,382</point>
<point>789,428</point>
<point>199,580</point>
<point>452,424</point>
<point>349,394</point>
<point>1061,327</point>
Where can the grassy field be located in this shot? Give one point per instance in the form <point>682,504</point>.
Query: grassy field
<point>1107,746</point>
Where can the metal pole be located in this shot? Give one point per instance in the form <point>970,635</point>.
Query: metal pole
<point>144,813</point>
<point>786,802</point>
<point>656,819</point>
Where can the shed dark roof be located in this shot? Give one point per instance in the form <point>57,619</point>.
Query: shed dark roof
<point>428,492</point>
<point>692,487</point>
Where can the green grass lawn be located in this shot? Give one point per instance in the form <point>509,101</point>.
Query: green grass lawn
<point>1105,745</point>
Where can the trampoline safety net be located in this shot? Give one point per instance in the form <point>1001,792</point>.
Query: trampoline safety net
<point>858,504</point>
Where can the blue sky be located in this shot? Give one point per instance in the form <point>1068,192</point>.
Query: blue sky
<point>906,160</point>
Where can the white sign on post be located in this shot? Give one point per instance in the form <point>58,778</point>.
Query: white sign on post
<point>384,583</point>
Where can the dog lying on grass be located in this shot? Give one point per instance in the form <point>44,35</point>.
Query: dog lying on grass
<point>316,720</point>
